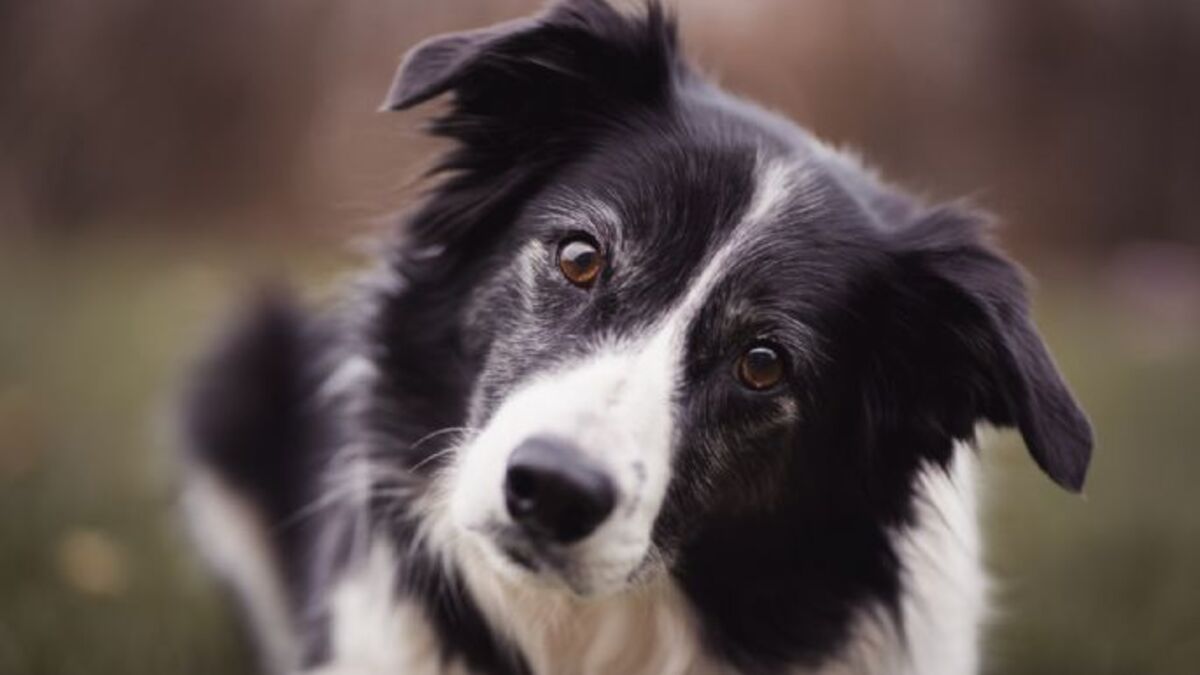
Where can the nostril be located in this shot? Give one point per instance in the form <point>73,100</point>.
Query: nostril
<point>554,492</point>
<point>520,489</point>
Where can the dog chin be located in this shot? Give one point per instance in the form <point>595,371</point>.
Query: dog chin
<point>518,564</point>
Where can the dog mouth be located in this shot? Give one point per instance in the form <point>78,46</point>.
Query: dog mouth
<point>524,552</point>
<point>527,560</point>
<point>521,555</point>
<point>530,561</point>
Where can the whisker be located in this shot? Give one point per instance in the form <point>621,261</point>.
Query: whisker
<point>328,499</point>
<point>440,432</point>
<point>437,455</point>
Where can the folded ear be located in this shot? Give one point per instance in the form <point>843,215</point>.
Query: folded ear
<point>972,305</point>
<point>436,65</point>
<point>575,43</point>
<point>527,97</point>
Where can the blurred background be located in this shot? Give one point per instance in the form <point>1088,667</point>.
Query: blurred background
<point>157,159</point>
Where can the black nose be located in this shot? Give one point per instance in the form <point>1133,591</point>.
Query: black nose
<point>554,492</point>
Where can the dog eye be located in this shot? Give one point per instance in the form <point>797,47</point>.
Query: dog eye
<point>760,367</point>
<point>580,261</point>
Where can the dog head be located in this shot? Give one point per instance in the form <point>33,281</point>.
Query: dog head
<point>676,321</point>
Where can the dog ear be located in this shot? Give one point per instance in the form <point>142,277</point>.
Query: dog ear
<point>961,313</point>
<point>527,96</point>
<point>438,64</point>
<point>574,44</point>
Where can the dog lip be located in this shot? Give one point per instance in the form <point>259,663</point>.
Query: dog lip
<point>523,552</point>
<point>518,557</point>
<point>543,564</point>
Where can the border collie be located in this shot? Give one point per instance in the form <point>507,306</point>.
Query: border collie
<point>651,381</point>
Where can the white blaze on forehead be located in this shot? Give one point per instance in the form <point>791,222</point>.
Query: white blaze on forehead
<point>774,183</point>
<point>617,406</point>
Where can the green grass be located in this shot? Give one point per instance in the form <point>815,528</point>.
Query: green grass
<point>1109,583</point>
<point>93,337</point>
<point>91,345</point>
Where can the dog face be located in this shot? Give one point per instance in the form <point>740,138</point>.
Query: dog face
<point>691,333</point>
<point>621,350</point>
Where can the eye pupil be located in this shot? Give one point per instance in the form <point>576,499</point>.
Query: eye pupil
<point>760,368</point>
<point>580,261</point>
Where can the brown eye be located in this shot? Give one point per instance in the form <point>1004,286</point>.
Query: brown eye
<point>761,367</point>
<point>580,261</point>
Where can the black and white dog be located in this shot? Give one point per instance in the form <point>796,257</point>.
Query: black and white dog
<point>651,382</point>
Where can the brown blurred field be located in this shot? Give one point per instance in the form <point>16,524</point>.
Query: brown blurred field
<point>156,159</point>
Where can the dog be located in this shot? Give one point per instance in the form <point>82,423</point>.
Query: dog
<point>651,381</point>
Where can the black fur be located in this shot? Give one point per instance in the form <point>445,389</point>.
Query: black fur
<point>247,415</point>
<point>902,328</point>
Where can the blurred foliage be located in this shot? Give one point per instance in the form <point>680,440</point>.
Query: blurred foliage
<point>1107,583</point>
<point>96,572</point>
<point>1076,119</point>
